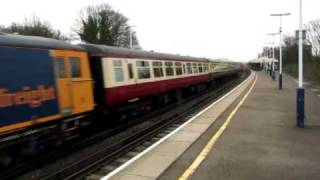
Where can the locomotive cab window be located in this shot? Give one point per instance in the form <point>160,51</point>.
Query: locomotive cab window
<point>169,68</point>
<point>75,67</point>
<point>157,69</point>
<point>118,70</point>
<point>59,68</point>
<point>178,68</point>
<point>143,68</point>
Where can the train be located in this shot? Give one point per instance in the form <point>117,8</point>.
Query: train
<point>49,89</point>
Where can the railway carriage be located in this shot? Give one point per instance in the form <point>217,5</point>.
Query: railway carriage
<point>123,75</point>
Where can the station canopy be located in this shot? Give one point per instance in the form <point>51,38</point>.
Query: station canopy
<point>263,60</point>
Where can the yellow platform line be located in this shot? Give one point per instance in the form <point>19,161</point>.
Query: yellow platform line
<point>203,154</point>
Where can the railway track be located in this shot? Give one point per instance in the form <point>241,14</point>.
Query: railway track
<point>120,147</point>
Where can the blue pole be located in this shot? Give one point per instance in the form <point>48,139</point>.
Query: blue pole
<point>300,107</point>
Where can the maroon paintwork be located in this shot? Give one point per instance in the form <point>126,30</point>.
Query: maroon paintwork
<point>119,95</point>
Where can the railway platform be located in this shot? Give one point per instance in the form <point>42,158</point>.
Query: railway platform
<point>250,133</point>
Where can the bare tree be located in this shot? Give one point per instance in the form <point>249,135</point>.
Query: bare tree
<point>313,36</point>
<point>33,26</point>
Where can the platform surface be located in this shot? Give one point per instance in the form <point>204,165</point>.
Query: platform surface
<point>262,140</point>
<point>154,162</point>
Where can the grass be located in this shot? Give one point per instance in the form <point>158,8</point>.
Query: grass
<point>311,72</point>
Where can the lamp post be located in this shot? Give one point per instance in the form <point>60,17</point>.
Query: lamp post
<point>280,32</point>
<point>272,63</point>
<point>300,89</point>
<point>265,59</point>
<point>273,34</point>
<point>130,36</point>
<point>268,61</point>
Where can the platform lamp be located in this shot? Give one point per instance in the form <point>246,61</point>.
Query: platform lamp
<point>280,32</point>
<point>273,34</point>
<point>272,63</point>
<point>130,36</point>
<point>300,89</point>
<point>265,57</point>
<point>268,62</point>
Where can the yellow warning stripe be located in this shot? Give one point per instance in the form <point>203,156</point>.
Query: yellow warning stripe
<point>203,154</point>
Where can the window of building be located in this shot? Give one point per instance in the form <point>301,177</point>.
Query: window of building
<point>169,68</point>
<point>75,67</point>
<point>143,68</point>
<point>178,68</point>
<point>118,70</point>
<point>59,68</point>
<point>130,71</point>
<point>189,68</point>
<point>195,68</point>
<point>157,69</point>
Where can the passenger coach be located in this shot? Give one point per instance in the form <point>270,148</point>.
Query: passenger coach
<point>123,76</point>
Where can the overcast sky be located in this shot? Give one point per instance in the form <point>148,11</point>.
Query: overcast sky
<point>234,29</point>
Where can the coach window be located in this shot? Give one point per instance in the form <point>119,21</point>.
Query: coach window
<point>184,68</point>
<point>130,71</point>
<point>75,67</point>
<point>143,68</point>
<point>203,67</point>
<point>195,68</point>
<point>206,67</point>
<point>189,68</point>
<point>157,69</point>
<point>200,67</point>
<point>212,67</point>
<point>118,70</point>
<point>178,68</point>
<point>169,68</point>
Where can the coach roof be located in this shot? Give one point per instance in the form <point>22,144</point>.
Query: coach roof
<point>35,42</point>
<point>110,51</point>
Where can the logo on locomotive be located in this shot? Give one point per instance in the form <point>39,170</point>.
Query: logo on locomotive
<point>34,98</point>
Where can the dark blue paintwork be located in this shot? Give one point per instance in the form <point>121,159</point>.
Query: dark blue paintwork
<point>300,107</point>
<point>26,67</point>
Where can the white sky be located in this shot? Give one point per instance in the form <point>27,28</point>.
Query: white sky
<point>234,29</point>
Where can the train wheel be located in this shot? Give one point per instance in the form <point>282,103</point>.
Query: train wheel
<point>5,159</point>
